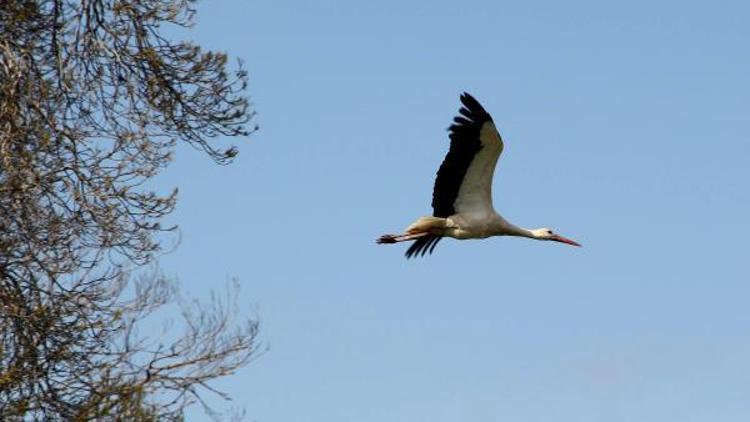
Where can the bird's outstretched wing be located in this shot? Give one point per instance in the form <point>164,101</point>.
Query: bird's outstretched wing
<point>464,180</point>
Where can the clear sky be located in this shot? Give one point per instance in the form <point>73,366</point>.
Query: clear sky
<point>626,128</point>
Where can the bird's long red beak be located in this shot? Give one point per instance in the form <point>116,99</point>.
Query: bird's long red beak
<point>561,239</point>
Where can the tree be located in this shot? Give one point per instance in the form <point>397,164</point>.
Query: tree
<point>93,100</point>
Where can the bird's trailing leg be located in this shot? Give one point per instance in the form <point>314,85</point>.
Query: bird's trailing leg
<point>424,226</point>
<point>395,238</point>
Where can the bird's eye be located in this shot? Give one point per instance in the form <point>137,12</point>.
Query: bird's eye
<point>549,231</point>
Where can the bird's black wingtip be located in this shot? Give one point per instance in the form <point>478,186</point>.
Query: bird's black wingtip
<point>474,106</point>
<point>422,246</point>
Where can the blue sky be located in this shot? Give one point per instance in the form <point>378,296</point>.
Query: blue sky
<point>626,129</point>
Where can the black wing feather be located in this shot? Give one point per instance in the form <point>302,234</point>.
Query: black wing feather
<point>422,245</point>
<point>465,143</point>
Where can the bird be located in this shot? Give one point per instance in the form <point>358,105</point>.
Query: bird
<point>462,194</point>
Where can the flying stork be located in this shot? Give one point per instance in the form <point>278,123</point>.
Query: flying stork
<point>462,196</point>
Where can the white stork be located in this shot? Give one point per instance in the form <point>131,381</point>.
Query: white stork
<point>462,196</point>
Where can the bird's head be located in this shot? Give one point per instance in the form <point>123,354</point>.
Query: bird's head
<point>548,234</point>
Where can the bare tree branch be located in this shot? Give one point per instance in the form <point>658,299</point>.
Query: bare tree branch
<point>93,100</point>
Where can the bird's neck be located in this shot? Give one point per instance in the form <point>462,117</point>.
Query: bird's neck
<point>520,232</point>
<point>504,228</point>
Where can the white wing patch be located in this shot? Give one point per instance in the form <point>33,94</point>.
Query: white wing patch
<point>475,193</point>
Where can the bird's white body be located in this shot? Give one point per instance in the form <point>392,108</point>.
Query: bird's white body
<point>462,196</point>
<point>467,225</point>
